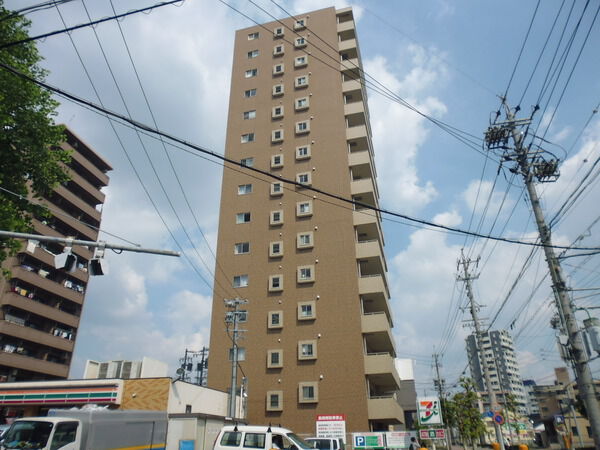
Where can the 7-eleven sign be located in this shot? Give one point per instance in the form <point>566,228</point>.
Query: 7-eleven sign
<point>430,411</point>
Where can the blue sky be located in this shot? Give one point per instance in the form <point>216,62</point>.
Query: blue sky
<point>449,59</point>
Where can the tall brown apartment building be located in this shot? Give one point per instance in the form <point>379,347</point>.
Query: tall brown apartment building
<point>318,335</point>
<point>40,306</point>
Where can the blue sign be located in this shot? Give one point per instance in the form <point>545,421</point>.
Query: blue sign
<point>186,444</point>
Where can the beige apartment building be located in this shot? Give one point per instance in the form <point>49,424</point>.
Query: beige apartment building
<point>317,326</point>
<point>40,305</point>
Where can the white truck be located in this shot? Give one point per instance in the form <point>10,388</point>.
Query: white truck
<point>94,429</point>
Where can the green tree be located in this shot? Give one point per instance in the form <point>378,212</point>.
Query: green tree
<point>465,413</point>
<point>30,156</point>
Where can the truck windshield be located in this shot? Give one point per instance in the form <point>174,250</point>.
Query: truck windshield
<point>299,442</point>
<point>27,434</point>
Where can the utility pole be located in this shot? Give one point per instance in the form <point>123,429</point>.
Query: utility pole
<point>440,388</point>
<point>474,307</point>
<point>531,164</point>
<point>232,317</point>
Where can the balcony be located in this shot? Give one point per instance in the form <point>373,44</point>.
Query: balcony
<point>100,176</point>
<point>354,108</point>
<point>349,64</point>
<point>373,285</point>
<point>86,232</point>
<point>48,258</point>
<point>78,203</point>
<point>371,253</point>
<point>86,185</point>
<point>27,304</point>
<point>345,26</point>
<point>352,85</point>
<point>360,158</point>
<point>33,364</point>
<point>347,44</point>
<point>382,372</point>
<point>377,333</point>
<point>45,230</point>
<point>356,132</point>
<point>46,284</point>
<point>362,186</point>
<point>39,337</point>
<point>386,410</point>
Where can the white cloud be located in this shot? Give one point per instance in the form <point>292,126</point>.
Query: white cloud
<point>477,194</point>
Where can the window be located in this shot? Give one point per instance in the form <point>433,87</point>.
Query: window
<point>254,440</point>
<point>303,127</point>
<point>300,24</point>
<point>307,349</point>
<point>250,93</point>
<point>275,319</point>
<point>274,359</point>
<point>250,114</point>
<point>277,90</point>
<point>253,54</point>
<point>301,81</point>
<point>300,42</point>
<point>274,401</point>
<point>301,103</point>
<point>277,112</point>
<point>241,247</point>
<point>242,316</point>
<point>278,69</point>
<point>248,162</point>
<point>276,161</point>
<point>250,73</point>
<point>278,50</point>
<point>300,61</point>
<point>64,434</point>
<point>304,178</point>
<point>243,217</point>
<point>304,240</point>
<point>276,188</point>
<point>275,283</point>
<point>276,135</point>
<point>304,208</point>
<point>252,36</point>
<point>248,137</point>
<point>240,281</point>
<point>276,217</point>
<point>244,189</point>
<point>241,354</point>
<point>231,439</point>
<point>307,310</point>
<point>278,32</point>
<point>308,392</point>
<point>303,152</point>
<point>306,274</point>
<point>276,249</point>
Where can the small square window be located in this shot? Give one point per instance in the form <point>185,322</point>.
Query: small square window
<point>276,161</point>
<point>253,54</point>
<point>248,162</point>
<point>244,189</point>
<point>276,217</point>
<point>303,127</point>
<point>276,188</point>
<point>300,42</point>
<point>243,217</point>
<point>277,90</point>
<point>275,283</point>
<point>274,359</point>
<point>301,81</point>
<point>251,73</point>
<point>304,178</point>
<point>300,61</point>
<point>304,208</point>
<point>250,114</point>
<point>241,354</point>
<point>252,36</point>
<point>300,24</point>
<point>250,93</point>
<point>248,137</point>
<point>304,240</point>
<point>307,349</point>
<point>303,152</point>
<point>308,392</point>
<point>278,32</point>
<point>240,281</point>
<point>307,310</point>
<point>241,248</point>
<point>276,136</point>
<point>275,319</point>
<point>274,401</point>
<point>277,112</point>
<point>278,50</point>
<point>278,69</point>
<point>301,103</point>
<point>276,249</point>
<point>306,274</point>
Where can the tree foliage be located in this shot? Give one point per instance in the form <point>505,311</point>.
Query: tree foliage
<point>30,156</point>
<point>464,413</point>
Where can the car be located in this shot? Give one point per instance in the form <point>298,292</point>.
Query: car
<point>3,429</point>
<point>256,437</point>
<point>326,443</point>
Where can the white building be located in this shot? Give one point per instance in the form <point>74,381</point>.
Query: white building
<point>146,368</point>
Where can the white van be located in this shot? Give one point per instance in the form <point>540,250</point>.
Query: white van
<point>326,443</point>
<point>257,437</point>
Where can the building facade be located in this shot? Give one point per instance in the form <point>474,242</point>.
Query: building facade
<point>499,356</point>
<point>40,305</point>
<point>317,326</point>
<point>145,368</point>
